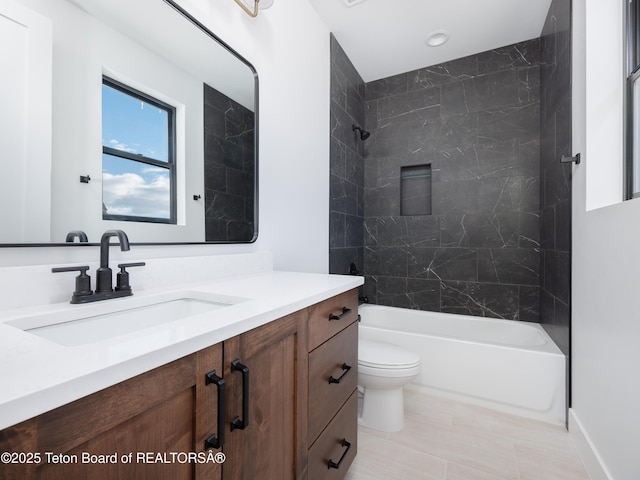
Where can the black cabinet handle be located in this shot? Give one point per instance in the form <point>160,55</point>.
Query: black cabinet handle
<point>346,369</point>
<point>243,422</point>
<point>216,440</point>
<point>333,464</point>
<point>345,311</point>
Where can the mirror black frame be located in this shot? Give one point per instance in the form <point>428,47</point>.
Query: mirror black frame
<point>226,46</point>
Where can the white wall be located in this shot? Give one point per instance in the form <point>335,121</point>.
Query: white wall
<point>85,49</point>
<point>25,123</point>
<point>605,93</point>
<point>606,254</point>
<point>289,47</point>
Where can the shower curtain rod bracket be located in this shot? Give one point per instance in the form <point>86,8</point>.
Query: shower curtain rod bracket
<point>575,158</point>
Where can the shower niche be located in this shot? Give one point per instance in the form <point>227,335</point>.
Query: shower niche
<point>415,190</point>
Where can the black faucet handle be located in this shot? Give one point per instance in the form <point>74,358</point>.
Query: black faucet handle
<point>83,281</point>
<point>122,281</point>
<point>122,266</point>
<point>83,269</point>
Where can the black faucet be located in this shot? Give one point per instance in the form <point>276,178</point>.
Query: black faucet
<point>82,237</point>
<point>104,277</point>
<point>353,270</point>
<point>104,281</point>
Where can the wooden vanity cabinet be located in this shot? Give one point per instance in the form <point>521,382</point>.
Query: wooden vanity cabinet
<point>168,409</point>
<point>282,415</point>
<point>333,383</point>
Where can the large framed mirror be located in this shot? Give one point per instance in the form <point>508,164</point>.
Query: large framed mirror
<point>127,115</point>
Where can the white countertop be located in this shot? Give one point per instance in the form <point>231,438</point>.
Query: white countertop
<point>38,375</point>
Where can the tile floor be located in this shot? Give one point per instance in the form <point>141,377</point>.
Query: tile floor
<point>449,440</point>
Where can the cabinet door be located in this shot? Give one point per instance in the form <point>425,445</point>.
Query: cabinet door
<point>331,316</point>
<point>165,427</point>
<point>333,452</point>
<point>141,428</point>
<point>266,374</point>
<point>18,439</point>
<point>25,120</point>
<point>337,359</point>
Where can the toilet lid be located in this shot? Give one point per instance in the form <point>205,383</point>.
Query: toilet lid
<point>385,355</point>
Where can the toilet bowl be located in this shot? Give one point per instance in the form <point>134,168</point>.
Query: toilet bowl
<point>383,369</point>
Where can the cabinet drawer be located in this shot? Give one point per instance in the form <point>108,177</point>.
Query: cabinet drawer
<point>343,308</point>
<point>331,381</point>
<point>332,444</point>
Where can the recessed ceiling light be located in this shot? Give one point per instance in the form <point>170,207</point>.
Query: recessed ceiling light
<point>351,3</point>
<point>437,38</point>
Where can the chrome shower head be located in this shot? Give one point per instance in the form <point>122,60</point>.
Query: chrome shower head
<point>363,133</point>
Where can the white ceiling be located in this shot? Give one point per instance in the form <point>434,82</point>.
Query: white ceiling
<point>386,37</point>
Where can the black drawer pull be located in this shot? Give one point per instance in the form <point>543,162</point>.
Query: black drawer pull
<point>345,311</point>
<point>243,422</point>
<point>216,441</point>
<point>346,369</point>
<point>333,464</point>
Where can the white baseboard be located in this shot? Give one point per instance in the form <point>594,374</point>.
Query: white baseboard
<point>588,454</point>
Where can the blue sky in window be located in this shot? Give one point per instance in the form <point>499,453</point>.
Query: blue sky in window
<point>134,126</point>
<point>129,187</point>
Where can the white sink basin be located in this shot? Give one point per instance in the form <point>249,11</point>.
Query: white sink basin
<point>79,325</point>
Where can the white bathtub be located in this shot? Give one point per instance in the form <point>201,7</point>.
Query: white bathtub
<point>510,366</point>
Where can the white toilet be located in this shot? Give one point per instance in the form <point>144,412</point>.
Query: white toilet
<point>383,369</point>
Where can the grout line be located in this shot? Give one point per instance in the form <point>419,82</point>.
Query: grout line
<point>485,429</point>
<point>515,457</point>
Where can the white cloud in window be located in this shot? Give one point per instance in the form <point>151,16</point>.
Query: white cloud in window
<point>137,195</point>
<point>113,143</point>
<point>124,147</point>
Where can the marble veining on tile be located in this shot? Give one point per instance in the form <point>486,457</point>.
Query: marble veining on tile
<point>555,201</point>
<point>229,167</point>
<point>346,187</point>
<point>476,122</point>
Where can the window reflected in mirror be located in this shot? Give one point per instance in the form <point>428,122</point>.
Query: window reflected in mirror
<point>138,156</point>
<point>92,165</point>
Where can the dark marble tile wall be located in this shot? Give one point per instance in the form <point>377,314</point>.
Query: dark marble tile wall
<point>476,121</point>
<point>229,168</point>
<point>555,192</point>
<point>346,210</point>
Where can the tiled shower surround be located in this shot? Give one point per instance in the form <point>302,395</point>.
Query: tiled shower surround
<point>347,164</point>
<point>229,167</point>
<point>555,200</point>
<point>476,122</point>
